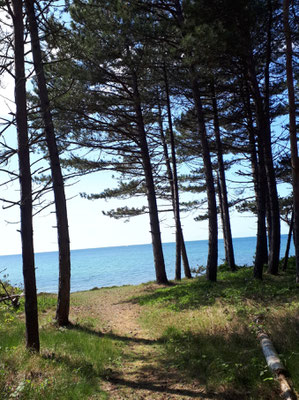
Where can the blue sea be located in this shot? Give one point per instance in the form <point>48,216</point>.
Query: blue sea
<point>121,265</point>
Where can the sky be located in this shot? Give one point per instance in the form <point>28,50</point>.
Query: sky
<point>89,228</point>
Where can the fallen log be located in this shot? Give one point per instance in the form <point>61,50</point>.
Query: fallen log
<point>13,299</point>
<point>14,296</point>
<point>276,366</point>
<point>273,361</point>
<point>287,392</point>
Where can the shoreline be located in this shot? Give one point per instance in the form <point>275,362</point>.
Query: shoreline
<point>118,266</point>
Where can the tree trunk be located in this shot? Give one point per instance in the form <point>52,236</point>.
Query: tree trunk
<point>161,277</point>
<point>286,255</point>
<point>212,207</point>
<point>63,303</point>
<point>261,255</point>
<point>213,244</point>
<point>187,270</point>
<point>31,313</point>
<point>292,127</point>
<point>222,216</point>
<point>186,265</point>
<point>174,183</point>
<point>273,261</point>
<point>227,234</point>
<point>259,180</point>
<point>267,112</point>
<point>268,219</point>
<point>264,136</point>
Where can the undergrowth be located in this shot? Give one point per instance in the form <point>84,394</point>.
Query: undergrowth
<point>71,364</point>
<point>208,329</point>
<point>206,332</point>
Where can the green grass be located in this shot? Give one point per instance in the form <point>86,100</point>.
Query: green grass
<point>71,364</point>
<point>46,302</point>
<point>208,330</point>
<point>231,288</point>
<point>232,361</point>
<point>205,332</point>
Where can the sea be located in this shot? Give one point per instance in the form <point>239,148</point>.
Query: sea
<point>121,265</point>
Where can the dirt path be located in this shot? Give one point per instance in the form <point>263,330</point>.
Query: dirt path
<point>141,376</point>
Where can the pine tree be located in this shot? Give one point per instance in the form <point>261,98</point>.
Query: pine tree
<point>31,313</point>
<point>63,304</point>
<point>292,127</point>
<point>110,61</point>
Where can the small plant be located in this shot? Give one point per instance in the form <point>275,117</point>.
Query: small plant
<point>200,270</point>
<point>22,390</point>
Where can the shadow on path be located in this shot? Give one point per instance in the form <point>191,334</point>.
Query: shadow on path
<point>111,335</point>
<point>145,385</point>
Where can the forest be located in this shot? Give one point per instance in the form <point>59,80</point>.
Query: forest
<point>170,96</point>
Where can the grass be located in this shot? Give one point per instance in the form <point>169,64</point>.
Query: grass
<point>71,365</point>
<point>208,330</point>
<point>204,332</point>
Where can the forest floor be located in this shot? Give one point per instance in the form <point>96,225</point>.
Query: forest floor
<point>191,340</point>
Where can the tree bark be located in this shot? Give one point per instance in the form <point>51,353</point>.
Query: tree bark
<point>161,276</point>
<point>174,183</point>
<point>222,216</point>
<point>261,255</point>
<point>31,313</point>
<point>212,207</point>
<point>264,137</point>
<point>286,255</point>
<point>227,234</point>
<point>63,303</point>
<point>271,356</point>
<point>268,218</point>
<point>187,270</point>
<point>259,180</point>
<point>213,229</point>
<point>292,128</point>
<point>186,265</point>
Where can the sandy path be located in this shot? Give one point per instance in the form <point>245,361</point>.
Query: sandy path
<point>141,376</point>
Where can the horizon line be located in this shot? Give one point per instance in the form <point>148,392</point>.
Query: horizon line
<point>127,245</point>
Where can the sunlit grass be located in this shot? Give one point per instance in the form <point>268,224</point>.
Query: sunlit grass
<point>72,363</point>
<point>208,330</point>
